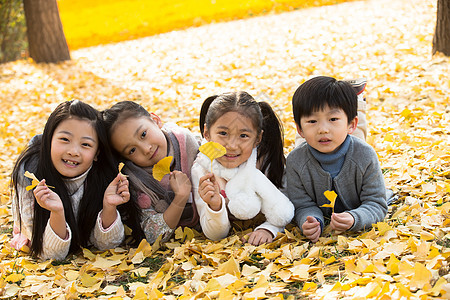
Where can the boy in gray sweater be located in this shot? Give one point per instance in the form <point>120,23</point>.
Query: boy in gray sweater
<point>325,113</point>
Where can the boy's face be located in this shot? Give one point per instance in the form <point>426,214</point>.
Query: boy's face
<point>325,130</point>
<point>140,140</point>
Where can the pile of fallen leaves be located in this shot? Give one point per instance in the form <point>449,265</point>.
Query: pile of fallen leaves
<point>388,42</point>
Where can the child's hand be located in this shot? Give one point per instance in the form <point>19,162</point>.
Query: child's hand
<point>258,237</point>
<point>311,229</point>
<point>48,199</point>
<point>117,192</point>
<point>341,221</point>
<point>180,184</point>
<point>209,190</point>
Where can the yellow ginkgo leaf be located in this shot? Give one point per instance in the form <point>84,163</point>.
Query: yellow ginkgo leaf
<point>162,168</point>
<point>331,196</point>
<point>121,166</point>
<point>34,180</point>
<point>15,277</point>
<point>213,150</point>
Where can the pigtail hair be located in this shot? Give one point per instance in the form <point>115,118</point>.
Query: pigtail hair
<point>204,110</point>
<point>270,150</point>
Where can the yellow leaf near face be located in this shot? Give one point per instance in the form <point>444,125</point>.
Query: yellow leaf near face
<point>213,150</point>
<point>331,196</point>
<point>162,168</point>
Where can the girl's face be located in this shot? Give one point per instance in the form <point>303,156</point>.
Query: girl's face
<point>74,147</point>
<point>237,134</point>
<point>140,140</point>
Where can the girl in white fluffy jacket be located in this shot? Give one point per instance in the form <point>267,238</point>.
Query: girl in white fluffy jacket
<point>245,181</point>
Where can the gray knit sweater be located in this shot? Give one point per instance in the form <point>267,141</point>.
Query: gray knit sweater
<point>359,184</point>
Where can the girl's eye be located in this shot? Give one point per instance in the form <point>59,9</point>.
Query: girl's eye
<point>132,150</point>
<point>244,135</point>
<point>311,121</point>
<point>144,133</point>
<point>64,139</point>
<point>334,119</point>
<point>87,145</point>
<point>222,133</point>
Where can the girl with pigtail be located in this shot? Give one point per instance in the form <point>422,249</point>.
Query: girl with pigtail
<point>243,184</point>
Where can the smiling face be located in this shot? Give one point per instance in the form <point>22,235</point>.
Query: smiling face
<point>237,134</point>
<point>74,147</point>
<point>140,140</point>
<point>325,130</point>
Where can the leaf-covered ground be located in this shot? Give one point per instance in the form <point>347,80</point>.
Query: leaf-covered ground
<point>387,41</point>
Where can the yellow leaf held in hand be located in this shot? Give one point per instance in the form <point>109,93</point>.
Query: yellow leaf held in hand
<point>162,168</point>
<point>121,166</point>
<point>331,196</point>
<point>34,181</point>
<point>213,150</point>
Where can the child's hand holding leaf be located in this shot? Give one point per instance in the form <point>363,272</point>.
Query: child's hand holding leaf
<point>162,168</point>
<point>212,150</point>
<point>34,181</point>
<point>331,196</point>
<point>48,199</point>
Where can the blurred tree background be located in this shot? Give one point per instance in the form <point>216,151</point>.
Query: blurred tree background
<point>13,41</point>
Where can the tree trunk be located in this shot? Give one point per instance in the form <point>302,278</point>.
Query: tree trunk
<point>46,40</point>
<point>441,39</point>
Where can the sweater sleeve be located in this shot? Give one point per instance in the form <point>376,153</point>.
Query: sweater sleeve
<point>304,205</point>
<point>108,238</point>
<point>215,224</point>
<point>54,247</point>
<point>373,206</point>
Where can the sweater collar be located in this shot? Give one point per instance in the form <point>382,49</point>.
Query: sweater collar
<point>332,162</point>
<point>74,183</point>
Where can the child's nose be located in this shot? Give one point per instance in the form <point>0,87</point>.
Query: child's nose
<point>74,151</point>
<point>231,143</point>
<point>323,128</point>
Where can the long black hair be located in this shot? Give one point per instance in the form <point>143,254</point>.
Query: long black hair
<point>36,158</point>
<point>265,120</point>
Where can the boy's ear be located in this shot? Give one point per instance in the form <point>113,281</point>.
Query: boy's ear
<point>352,125</point>
<point>156,119</point>
<point>299,130</point>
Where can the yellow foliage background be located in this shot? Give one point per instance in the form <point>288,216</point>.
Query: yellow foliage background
<point>89,23</point>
